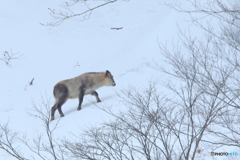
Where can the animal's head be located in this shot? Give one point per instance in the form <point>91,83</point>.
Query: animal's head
<point>109,79</point>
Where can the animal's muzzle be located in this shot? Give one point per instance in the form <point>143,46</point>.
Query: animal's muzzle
<point>114,84</point>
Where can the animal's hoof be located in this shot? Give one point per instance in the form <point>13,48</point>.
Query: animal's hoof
<point>62,116</point>
<point>78,109</point>
<point>99,101</point>
<point>52,119</point>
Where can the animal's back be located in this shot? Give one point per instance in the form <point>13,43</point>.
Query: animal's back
<point>89,81</point>
<point>72,86</point>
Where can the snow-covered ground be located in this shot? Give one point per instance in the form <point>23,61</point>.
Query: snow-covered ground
<point>75,47</point>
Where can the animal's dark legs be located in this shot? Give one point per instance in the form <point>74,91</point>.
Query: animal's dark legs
<point>58,106</point>
<point>60,93</point>
<point>81,95</point>
<point>54,108</point>
<point>94,93</point>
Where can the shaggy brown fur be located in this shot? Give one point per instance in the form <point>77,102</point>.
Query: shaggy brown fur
<point>79,86</point>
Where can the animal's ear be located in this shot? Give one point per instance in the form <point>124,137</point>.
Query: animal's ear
<point>107,72</point>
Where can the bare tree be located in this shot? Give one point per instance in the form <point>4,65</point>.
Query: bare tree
<point>154,126</point>
<point>44,146</point>
<point>214,64</point>
<point>227,14</point>
<point>8,141</point>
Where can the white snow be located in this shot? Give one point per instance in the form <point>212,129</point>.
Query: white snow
<point>75,47</point>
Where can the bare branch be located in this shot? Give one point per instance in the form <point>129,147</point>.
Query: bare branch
<point>7,141</point>
<point>62,16</point>
<point>153,127</point>
<point>8,57</point>
<point>42,112</point>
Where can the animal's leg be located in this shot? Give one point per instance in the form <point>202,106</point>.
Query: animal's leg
<point>58,106</point>
<point>94,93</point>
<point>81,95</point>
<point>60,103</point>
<point>54,108</point>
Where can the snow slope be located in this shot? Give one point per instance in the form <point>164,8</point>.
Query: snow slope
<point>51,55</point>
